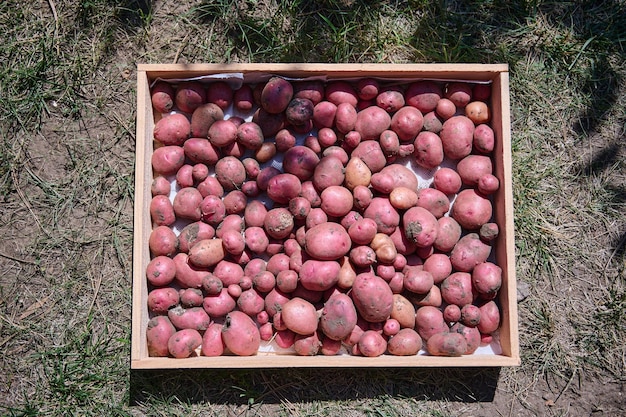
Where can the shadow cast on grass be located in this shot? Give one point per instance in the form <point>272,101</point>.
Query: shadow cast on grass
<point>274,386</point>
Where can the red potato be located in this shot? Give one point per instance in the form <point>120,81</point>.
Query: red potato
<point>471,335</point>
<point>158,333</point>
<point>220,93</point>
<point>345,117</point>
<point>301,162</point>
<point>285,338</point>
<point>429,321</point>
<point>299,207</point>
<point>447,344</point>
<point>312,90</point>
<point>487,280</point>
<point>173,129</point>
<point>329,172</point>
<point>284,139</point>
<point>240,334</point>
<point>264,282</point>
<point>472,168</point>
<point>299,111</point>
<point>230,172</point>
<point>447,180</point>
<point>470,315</point>
<point>384,214</point>
<point>339,317</point>
<point>471,210</point>
<point>324,114</point>
<point>266,331</point>
<point>488,184</point>
<point>459,93</point>
<point>390,100</point>
<point>199,172</point>
<point>251,302</point>
<point>307,345</point>
<point>407,123</point>
<point>428,150</point>
<point>235,202</point>
<point>330,347</point>
<point>423,95</point>
<point>192,233</point>
<point>219,305</point>
<point>250,135</point>
<point>163,241</point>
<point>432,122</point>
<point>167,160</point>
<point>406,342</point>
<point>319,275</point>
<point>270,123</point>
<point>211,284</point>
<point>371,122</point>
<point>206,253</point>
<point>160,300</point>
<point>403,198</point>
<point>161,271</point>
<point>372,344</point>
<point>489,232</point>
<point>188,204</point>
<point>445,108</point>
<point>362,256</point>
<point>161,211</point>
<point>362,197</point>
<point>160,186</point>
<point>276,95</point>
<point>389,143</point>
<point>189,96</point>
<point>189,318</point>
<point>362,231</point>
<point>337,152</point>
<point>278,223</point>
<point>336,201</point>
<point>391,327</point>
<point>402,176</point>
<point>283,187</point>
<point>420,226</point>
<point>457,289</point>
<point>372,298</point>
<point>489,318</point>
<point>278,262</point>
<point>327,241</point>
<point>370,152</point>
<point>351,140</point>
<point>403,311</point>
<point>316,216</point>
<point>187,275</point>
<point>403,245</point>
<point>212,210</point>
<point>300,316</point>
<point>439,265</point>
<point>254,213</point>
<point>338,92</point>
<point>457,136</point>
<point>184,176</point>
<point>243,98</point>
<point>452,313</point>
<point>478,112</point>
<point>212,343</point>
<point>203,117</point>
<point>228,272</point>
<point>418,281</point>
<point>448,235</point>
<point>275,300</point>
<point>434,201</point>
<point>200,150</point>
<point>367,88</point>
<point>483,138</point>
<point>162,97</point>
<point>183,343</point>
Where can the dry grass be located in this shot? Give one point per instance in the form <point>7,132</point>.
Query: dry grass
<point>66,184</point>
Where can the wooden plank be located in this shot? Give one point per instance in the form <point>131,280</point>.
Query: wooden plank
<point>504,246</point>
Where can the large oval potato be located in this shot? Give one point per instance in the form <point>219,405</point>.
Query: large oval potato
<point>240,334</point>
<point>372,298</point>
<point>339,316</point>
<point>327,241</point>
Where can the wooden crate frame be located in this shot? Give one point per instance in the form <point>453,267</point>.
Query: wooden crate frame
<point>497,74</point>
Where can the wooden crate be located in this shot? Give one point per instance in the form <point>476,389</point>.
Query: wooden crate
<point>503,211</point>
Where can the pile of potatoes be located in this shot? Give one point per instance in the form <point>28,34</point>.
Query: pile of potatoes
<point>296,216</point>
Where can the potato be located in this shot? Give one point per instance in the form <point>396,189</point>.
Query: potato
<point>189,96</point>
<point>338,317</point>
<point>362,256</point>
<point>447,180</point>
<point>372,344</point>
<point>212,343</point>
<point>402,176</point>
<point>230,172</point>
<point>187,204</point>
<point>161,271</point>
<point>163,241</point>
<point>445,108</point>
<point>211,284</point>
<point>384,214</point>
<point>338,92</point>
<point>429,321</point>
<point>418,280</point>
<point>470,315</point>
<point>336,201</point>
<point>488,184</point>
<point>251,302</point>
<point>346,275</point>
<point>457,289</point>
<point>319,275</point>
<point>307,345</point>
<point>345,117</point>
<point>371,122</point>
<point>278,223</point>
<point>362,197</point>
<point>403,198</point>
<point>301,162</point>
<point>158,333</point>
<point>452,313</point>
<point>457,136</point>
<point>283,187</point>
<point>183,343</point>
<point>432,122</point>
<point>310,89</point>
<point>372,297</point>
<point>420,226</point>
<point>489,231</point>
<point>389,143</point>
<point>161,211</point>
<point>160,300</point>
<point>439,265</point>
<point>203,117</point>
<point>423,95</point>
<point>403,311</point>
<point>407,123</point>
<point>473,167</point>
<point>386,251</point>
<point>329,172</point>
<point>189,318</point>
<point>471,335</point>
<point>428,150</point>
<point>300,316</point>
<point>431,298</point>
<point>299,207</point>
<point>206,253</point>
<point>357,173</point>
<point>367,88</point>
<point>483,138</point>
<point>212,210</point>
<point>228,272</point>
<point>187,276</point>
<point>270,123</point>
<point>240,334</point>
<point>460,93</point>
<point>448,235</point>
<point>243,98</point>
<point>276,95</point>
<point>220,93</point>
<point>370,152</point>
<point>478,112</point>
<point>447,344</point>
<point>220,304</point>
<point>184,176</point>
<point>489,317</point>
<point>487,280</point>
<point>330,347</point>
<point>264,282</point>
<point>162,97</point>
<point>324,114</point>
<point>299,111</point>
<point>160,186</point>
<point>406,342</point>
<point>200,150</point>
<point>390,100</point>
<point>327,241</point>
<point>362,231</point>
<point>435,201</point>
<point>471,210</point>
<point>167,160</point>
